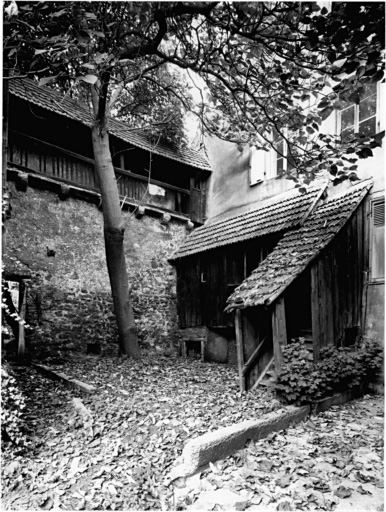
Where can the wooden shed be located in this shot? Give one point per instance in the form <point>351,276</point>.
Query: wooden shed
<point>311,285</point>
<point>216,258</point>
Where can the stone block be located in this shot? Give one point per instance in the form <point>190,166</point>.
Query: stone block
<point>165,219</point>
<point>225,441</point>
<point>217,349</point>
<point>189,225</point>
<point>323,404</point>
<point>65,379</point>
<point>139,212</point>
<point>64,192</point>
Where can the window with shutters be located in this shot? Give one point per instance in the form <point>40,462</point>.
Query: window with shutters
<point>283,161</point>
<point>265,165</point>
<point>363,117</point>
<point>378,240</point>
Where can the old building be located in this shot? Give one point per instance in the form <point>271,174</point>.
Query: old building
<point>55,233</point>
<point>271,264</point>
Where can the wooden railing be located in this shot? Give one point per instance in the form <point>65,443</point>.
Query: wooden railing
<point>55,162</point>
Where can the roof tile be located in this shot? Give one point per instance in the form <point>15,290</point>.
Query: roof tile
<point>277,214</point>
<point>296,250</point>
<point>54,101</point>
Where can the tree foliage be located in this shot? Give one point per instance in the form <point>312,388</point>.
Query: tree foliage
<point>152,106</point>
<point>268,67</point>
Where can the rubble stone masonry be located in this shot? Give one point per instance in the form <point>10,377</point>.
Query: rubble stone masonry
<point>69,299</point>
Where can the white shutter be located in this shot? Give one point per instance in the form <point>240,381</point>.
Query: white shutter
<point>378,240</point>
<point>256,166</point>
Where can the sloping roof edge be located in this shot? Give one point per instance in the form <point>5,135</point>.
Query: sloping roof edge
<point>366,184</point>
<point>117,128</point>
<point>268,202</point>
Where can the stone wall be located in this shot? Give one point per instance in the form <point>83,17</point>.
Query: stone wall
<point>69,300</point>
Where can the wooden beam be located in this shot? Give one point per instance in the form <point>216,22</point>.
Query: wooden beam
<point>118,170</point>
<point>240,348</point>
<point>263,373</point>
<point>254,356</point>
<point>365,281</point>
<point>279,331</point>
<point>22,310</point>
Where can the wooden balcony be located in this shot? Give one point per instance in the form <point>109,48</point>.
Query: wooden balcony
<point>34,155</point>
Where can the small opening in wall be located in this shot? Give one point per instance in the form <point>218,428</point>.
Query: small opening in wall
<point>193,349</point>
<point>93,348</point>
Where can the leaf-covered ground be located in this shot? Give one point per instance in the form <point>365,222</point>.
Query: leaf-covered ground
<point>116,451</point>
<point>331,462</point>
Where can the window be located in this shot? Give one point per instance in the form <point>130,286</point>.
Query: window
<point>362,118</point>
<point>265,165</point>
<point>378,240</point>
<point>282,161</point>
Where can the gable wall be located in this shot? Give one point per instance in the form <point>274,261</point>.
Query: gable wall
<point>337,284</point>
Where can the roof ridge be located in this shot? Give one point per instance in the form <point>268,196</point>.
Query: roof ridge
<point>275,215</point>
<point>314,204</point>
<point>367,182</point>
<point>297,249</point>
<point>264,204</point>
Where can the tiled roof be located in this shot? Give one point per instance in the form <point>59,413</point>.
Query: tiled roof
<point>277,214</point>
<point>51,100</point>
<point>297,249</point>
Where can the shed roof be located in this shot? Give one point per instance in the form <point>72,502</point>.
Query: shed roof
<point>52,100</point>
<point>277,214</point>
<point>297,249</point>
<point>14,269</point>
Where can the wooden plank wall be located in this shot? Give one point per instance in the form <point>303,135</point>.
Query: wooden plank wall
<point>203,303</point>
<point>336,285</point>
<point>52,161</point>
<point>188,293</point>
<point>279,331</point>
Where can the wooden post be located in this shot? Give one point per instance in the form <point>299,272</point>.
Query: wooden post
<point>202,350</point>
<point>22,310</point>
<point>365,281</point>
<point>279,331</point>
<point>315,311</point>
<point>240,348</point>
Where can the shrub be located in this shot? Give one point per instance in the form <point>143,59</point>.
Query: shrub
<point>301,381</point>
<point>12,405</point>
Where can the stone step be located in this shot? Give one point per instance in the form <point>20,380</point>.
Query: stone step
<point>267,384</point>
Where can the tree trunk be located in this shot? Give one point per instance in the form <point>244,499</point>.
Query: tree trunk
<point>114,230</point>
